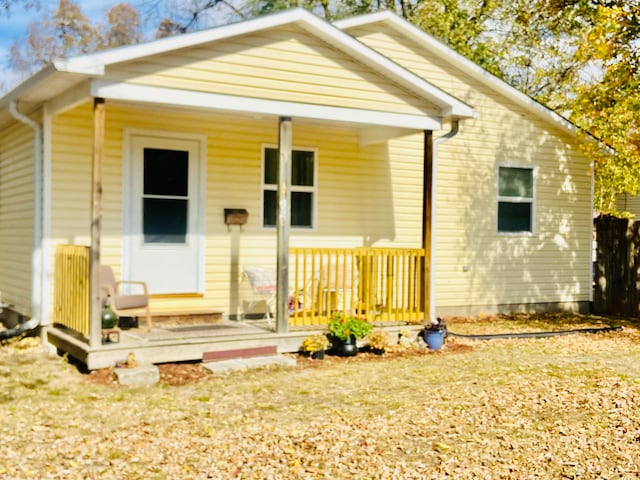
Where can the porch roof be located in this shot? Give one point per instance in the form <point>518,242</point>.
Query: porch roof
<point>87,75</point>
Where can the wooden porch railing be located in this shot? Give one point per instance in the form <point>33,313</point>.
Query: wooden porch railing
<point>71,288</point>
<point>380,284</point>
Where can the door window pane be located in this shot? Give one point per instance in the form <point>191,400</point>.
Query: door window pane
<point>164,220</point>
<point>166,172</point>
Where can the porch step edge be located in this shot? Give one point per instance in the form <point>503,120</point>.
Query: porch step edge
<point>221,366</point>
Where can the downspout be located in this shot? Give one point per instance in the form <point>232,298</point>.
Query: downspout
<point>434,185</point>
<point>36,255</point>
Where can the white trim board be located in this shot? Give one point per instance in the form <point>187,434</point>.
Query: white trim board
<point>246,105</point>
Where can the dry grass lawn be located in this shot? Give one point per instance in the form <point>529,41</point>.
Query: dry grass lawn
<point>561,407</point>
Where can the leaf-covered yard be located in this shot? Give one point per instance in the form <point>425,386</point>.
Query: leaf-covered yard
<point>561,407</point>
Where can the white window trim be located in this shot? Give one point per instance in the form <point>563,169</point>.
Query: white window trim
<point>532,201</point>
<point>294,188</point>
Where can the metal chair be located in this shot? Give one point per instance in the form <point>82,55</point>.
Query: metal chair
<point>124,303</point>
<point>264,288</point>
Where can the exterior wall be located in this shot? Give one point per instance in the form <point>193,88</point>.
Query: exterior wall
<point>479,270</point>
<point>285,64</point>
<point>367,196</point>
<point>16,216</point>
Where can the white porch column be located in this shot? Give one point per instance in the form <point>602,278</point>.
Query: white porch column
<point>95,320</point>
<point>283,223</point>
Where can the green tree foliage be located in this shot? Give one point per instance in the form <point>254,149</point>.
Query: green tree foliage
<point>463,25</point>
<point>607,103</point>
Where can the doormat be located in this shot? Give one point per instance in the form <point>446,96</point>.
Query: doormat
<point>178,333</point>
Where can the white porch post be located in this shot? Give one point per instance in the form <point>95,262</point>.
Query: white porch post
<point>95,321</point>
<point>283,223</point>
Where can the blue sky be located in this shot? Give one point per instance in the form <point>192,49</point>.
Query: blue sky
<point>14,28</point>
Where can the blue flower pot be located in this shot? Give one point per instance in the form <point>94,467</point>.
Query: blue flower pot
<point>434,339</point>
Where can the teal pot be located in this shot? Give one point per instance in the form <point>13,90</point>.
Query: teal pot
<point>434,338</point>
<point>343,348</point>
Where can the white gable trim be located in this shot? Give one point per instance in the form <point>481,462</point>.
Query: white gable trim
<point>257,106</point>
<point>95,63</point>
<point>459,61</point>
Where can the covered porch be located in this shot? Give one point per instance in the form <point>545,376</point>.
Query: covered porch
<point>383,285</point>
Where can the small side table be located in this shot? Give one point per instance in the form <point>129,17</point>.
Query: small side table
<point>110,335</point>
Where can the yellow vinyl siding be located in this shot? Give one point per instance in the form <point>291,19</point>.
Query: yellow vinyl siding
<point>289,65</point>
<point>365,195</point>
<point>16,215</point>
<point>551,265</point>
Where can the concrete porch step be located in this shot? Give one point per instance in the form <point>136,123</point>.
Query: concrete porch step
<point>232,364</point>
<point>244,358</point>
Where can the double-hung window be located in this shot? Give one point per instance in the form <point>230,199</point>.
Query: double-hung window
<point>303,187</point>
<point>516,189</point>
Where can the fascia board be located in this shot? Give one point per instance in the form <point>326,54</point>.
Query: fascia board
<point>33,82</point>
<point>256,106</point>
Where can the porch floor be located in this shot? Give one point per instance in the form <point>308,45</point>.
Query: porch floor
<point>177,343</point>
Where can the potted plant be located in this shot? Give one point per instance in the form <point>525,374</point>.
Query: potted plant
<point>314,346</point>
<point>378,341</point>
<point>344,330</point>
<point>434,334</point>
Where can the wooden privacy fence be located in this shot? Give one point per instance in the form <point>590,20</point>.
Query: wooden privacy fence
<point>616,280</point>
<point>383,284</point>
<point>71,288</point>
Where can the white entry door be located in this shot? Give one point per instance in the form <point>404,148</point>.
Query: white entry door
<point>165,232</point>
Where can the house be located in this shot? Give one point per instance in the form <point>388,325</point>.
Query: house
<point>162,159</point>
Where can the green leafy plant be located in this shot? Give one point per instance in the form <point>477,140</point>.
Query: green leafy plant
<point>343,326</point>
<point>314,343</point>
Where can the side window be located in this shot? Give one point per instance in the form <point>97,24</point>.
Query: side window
<point>515,199</point>
<point>303,187</point>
